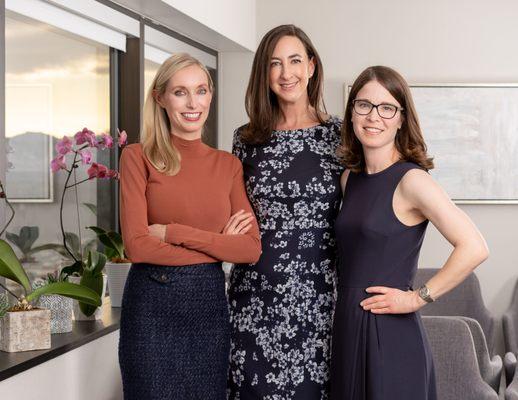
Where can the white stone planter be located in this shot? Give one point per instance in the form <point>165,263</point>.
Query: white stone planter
<point>25,330</point>
<point>61,310</point>
<point>117,274</point>
<point>78,314</point>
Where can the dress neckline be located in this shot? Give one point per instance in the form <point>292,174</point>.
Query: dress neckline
<point>383,171</point>
<point>330,120</point>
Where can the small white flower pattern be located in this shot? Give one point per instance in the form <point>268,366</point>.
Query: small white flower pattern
<point>281,307</point>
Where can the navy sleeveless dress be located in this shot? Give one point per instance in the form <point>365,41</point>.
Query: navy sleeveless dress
<point>281,307</point>
<point>377,357</point>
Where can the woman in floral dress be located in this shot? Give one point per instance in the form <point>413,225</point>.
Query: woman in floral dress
<point>281,307</point>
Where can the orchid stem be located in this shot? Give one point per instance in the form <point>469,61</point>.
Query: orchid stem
<point>10,207</point>
<point>78,217</point>
<point>77,183</point>
<point>61,210</point>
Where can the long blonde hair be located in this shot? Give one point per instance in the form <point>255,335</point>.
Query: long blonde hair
<point>156,129</point>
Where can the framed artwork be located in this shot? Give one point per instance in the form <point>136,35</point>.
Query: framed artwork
<point>472,133</point>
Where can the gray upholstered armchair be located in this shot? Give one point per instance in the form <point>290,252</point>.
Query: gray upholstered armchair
<point>490,367</point>
<point>456,366</point>
<point>465,300</point>
<point>511,393</point>
<point>510,325</point>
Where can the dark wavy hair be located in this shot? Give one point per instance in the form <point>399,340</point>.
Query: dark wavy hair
<point>261,103</point>
<point>409,139</point>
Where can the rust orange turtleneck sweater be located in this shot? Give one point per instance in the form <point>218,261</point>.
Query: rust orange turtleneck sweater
<point>195,204</point>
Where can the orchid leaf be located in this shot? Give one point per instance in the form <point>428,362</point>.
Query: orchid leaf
<point>25,239</point>
<point>11,268</point>
<point>59,248</point>
<point>114,247</point>
<point>75,268</point>
<point>91,207</point>
<point>67,289</point>
<point>73,242</point>
<point>93,278</point>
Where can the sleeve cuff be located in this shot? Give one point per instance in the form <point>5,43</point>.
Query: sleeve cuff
<point>170,234</point>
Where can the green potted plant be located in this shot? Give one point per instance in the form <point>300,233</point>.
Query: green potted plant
<point>24,241</point>
<point>61,308</point>
<point>26,238</point>
<point>24,326</point>
<point>117,267</point>
<point>85,270</point>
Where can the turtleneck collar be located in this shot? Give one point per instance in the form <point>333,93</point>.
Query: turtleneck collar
<point>193,148</point>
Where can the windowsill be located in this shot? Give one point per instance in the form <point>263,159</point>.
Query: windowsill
<point>82,332</point>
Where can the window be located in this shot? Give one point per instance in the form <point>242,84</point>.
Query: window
<point>56,84</point>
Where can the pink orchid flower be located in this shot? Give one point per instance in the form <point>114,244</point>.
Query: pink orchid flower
<point>58,163</point>
<point>123,138</point>
<point>97,171</point>
<point>86,156</point>
<point>64,146</point>
<point>105,141</point>
<point>85,136</point>
<point>113,174</point>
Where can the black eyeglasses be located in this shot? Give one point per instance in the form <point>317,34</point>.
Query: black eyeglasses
<point>385,111</point>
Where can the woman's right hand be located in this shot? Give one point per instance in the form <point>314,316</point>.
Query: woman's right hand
<point>239,223</point>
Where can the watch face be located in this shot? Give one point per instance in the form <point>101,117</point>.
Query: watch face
<point>424,293</point>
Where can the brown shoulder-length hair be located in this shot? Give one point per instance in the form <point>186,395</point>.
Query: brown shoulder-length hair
<point>261,103</point>
<point>409,139</point>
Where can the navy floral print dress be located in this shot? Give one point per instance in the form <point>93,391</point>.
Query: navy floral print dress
<point>281,307</point>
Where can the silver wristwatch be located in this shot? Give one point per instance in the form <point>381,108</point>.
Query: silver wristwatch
<point>424,293</point>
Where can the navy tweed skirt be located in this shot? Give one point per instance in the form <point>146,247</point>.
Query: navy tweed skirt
<point>174,333</point>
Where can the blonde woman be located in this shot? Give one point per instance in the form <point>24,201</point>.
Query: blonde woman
<point>183,210</point>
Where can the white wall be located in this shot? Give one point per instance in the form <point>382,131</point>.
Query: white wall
<point>90,372</point>
<point>235,19</point>
<point>234,70</point>
<point>428,42</point>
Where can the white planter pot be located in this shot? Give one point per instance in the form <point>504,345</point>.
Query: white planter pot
<point>61,310</point>
<point>78,314</point>
<point>117,274</point>
<point>25,330</point>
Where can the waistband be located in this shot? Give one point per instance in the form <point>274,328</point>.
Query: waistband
<point>192,269</point>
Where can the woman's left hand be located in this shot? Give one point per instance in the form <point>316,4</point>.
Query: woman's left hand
<point>391,301</point>
<point>157,230</point>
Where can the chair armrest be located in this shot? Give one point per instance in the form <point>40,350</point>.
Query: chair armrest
<point>510,367</point>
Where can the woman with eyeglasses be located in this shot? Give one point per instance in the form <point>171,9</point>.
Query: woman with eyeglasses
<point>380,350</point>
<point>281,307</point>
